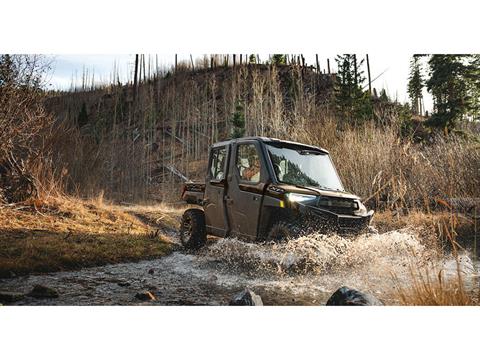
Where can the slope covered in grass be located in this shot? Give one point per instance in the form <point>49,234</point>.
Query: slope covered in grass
<point>68,233</point>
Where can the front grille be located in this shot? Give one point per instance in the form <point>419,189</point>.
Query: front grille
<point>338,205</point>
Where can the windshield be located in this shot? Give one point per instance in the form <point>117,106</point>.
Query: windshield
<point>303,167</point>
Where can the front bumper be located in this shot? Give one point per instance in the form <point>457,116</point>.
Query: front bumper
<point>336,222</point>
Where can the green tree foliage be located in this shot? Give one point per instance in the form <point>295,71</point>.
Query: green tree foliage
<point>238,122</point>
<point>278,59</point>
<point>353,104</point>
<point>474,86</point>
<point>415,85</point>
<point>252,59</point>
<point>450,85</point>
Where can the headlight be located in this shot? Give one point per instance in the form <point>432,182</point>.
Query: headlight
<point>362,210</point>
<point>294,197</point>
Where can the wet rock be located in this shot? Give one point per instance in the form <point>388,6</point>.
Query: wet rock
<point>10,297</point>
<point>246,298</point>
<point>349,296</point>
<point>151,271</point>
<point>43,292</point>
<point>145,296</point>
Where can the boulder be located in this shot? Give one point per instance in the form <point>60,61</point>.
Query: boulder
<point>43,292</point>
<point>349,296</point>
<point>246,298</point>
<point>145,296</point>
<point>10,297</point>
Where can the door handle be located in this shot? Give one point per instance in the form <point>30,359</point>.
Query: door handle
<point>228,200</point>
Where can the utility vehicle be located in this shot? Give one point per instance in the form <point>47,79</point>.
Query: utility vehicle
<point>265,189</point>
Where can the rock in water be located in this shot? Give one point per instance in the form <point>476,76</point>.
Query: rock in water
<point>246,298</point>
<point>8,297</point>
<point>349,296</point>
<point>145,296</point>
<point>43,292</point>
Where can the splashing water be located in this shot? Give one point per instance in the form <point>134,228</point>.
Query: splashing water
<point>320,254</point>
<point>305,271</point>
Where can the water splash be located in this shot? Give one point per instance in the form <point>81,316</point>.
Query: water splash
<point>321,254</point>
<point>300,271</point>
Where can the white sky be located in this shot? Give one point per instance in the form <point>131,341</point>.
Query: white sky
<point>395,68</point>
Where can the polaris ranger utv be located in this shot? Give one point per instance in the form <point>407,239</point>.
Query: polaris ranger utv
<point>265,189</point>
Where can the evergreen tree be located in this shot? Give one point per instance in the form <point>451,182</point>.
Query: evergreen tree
<point>474,86</point>
<point>353,104</point>
<point>415,85</point>
<point>449,86</point>
<point>252,59</point>
<point>278,59</point>
<point>238,122</point>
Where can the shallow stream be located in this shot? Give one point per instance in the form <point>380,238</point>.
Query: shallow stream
<point>303,271</point>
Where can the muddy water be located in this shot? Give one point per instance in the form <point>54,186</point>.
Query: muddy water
<point>302,271</point>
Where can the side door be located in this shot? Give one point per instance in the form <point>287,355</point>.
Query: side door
<point>215,187</point>
<point>246,182</point>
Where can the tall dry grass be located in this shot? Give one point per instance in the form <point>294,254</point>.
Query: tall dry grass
<point>441,284</point>
<point>391,172</point>
<point>433,289</point>
<point>130,144</point>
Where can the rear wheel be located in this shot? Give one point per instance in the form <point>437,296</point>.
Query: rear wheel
<point>193,234</point>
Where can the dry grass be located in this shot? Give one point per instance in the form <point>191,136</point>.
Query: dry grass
<point>438,285</point>
<point>67,233</point>
<point>429,288</point>
<point>392,172</point>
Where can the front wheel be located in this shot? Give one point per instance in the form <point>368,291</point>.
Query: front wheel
<point>283,230</point>
<point>193,234</point>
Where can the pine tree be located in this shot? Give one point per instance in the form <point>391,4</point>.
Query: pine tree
<point>449,86</point>
<point>474,87</point>
<point>353,104</point>
<point>238,122</point>
<point>278,59</point>
<point>415,85</point>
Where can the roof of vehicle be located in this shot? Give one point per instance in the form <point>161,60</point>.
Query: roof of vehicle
<point>268,140</point>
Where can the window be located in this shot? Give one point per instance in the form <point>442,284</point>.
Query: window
<point>217,167</point>
<point>303,167</point>
<point>248,162</point>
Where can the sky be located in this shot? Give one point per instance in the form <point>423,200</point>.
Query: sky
<point>391,69</point>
